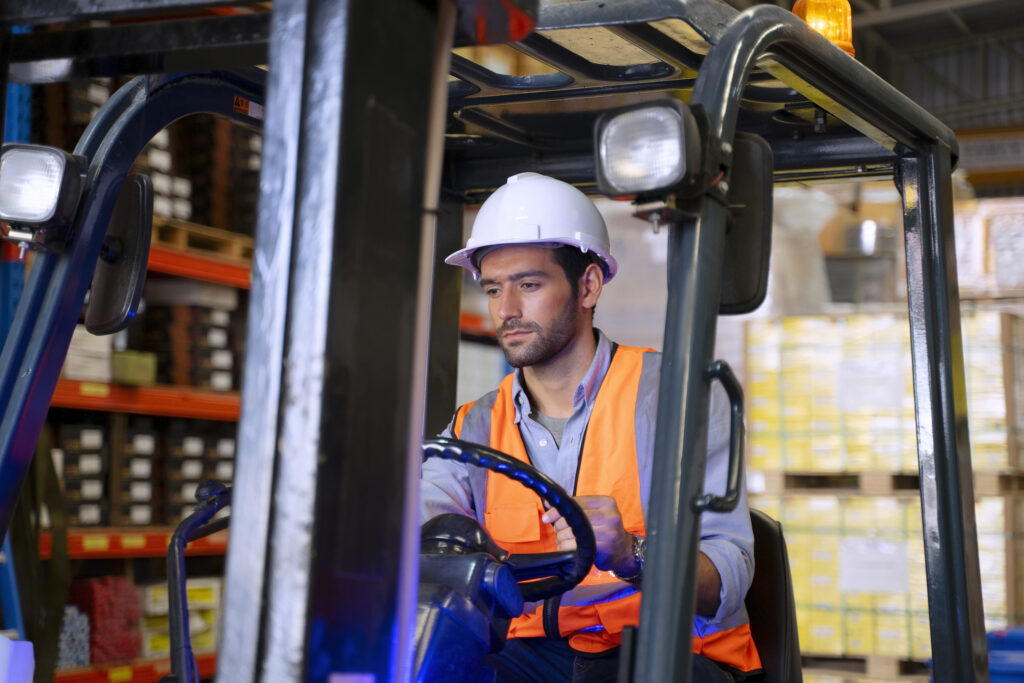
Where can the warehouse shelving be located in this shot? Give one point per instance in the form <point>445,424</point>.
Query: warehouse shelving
<point>164,400</point>
<point>134,672</point>
<point>128,543</point>
<point>198,267</point>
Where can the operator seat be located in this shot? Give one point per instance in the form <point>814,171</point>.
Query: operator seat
<point>771,605</point>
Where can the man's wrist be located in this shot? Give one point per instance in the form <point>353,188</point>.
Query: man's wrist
<point>634,566</point>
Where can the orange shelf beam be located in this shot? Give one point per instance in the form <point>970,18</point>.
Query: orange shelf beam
<point>475,325</point>
<point>167,401</point>
<point>206,268</point>
<point>128,543</point>
<point>134,672</point>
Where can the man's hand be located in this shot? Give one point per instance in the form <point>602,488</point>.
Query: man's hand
<point>614,543</point>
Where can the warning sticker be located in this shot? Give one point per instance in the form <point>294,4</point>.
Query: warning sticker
<point>245,106</point>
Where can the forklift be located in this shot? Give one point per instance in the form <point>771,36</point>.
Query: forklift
<point>376,135</point>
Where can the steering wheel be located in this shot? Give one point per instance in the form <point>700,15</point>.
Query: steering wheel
<point>562,570</point>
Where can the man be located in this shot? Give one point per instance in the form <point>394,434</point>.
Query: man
<point>581,409</point>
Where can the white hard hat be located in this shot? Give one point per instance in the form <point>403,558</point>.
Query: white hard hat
<point>533,209</point>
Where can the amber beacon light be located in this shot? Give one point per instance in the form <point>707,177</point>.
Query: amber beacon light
<point>831,18</point>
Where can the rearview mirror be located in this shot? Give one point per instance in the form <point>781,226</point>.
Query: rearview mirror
<point>121,269</point>
<point>748,239</point>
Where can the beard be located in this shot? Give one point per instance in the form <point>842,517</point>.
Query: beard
<point>546,343</point>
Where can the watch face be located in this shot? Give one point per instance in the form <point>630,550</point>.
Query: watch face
<point>640,549</point>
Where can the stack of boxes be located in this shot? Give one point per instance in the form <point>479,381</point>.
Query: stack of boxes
<point>196,452</point>
<point>858,569</point>
<point>88,358</point>
<point>204,605</point>
<point>135,497</point>
<point>191,327</point>
<point>223,162</point>
<point>80,458</point>
<point>138,471</point>
<point>172,193</point>
<point>835,394</point>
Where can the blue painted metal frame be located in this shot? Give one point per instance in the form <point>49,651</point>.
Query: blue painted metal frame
<point>9,599</point>
<point>34,351</point>
<point>12,281</point>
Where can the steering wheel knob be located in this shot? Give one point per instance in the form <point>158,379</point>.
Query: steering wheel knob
<point>502,586</point>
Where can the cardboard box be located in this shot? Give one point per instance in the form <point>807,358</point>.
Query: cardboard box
<point>202,593</point>
<point>133,368</point>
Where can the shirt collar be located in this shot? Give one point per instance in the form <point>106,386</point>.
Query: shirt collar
<point>584,394</point>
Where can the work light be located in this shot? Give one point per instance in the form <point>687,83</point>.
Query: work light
<point>39,192</point>
<point>647,149</point>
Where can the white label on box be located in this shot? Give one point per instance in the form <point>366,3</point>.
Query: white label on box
<point>182,187</point>
<point>222,359</point>
<point>89,514</point>
<point>181,208</point>
<point>868,565</point>
<point>92,489</point>
<point>140,514</point>
<point>220,380</point>
<point>97,93</point>
<point>161,139</point>
<point>192,469</point>
<point>875,382</point>
<point>161,183</point>
<point>756,482</point>
<point>143,444</point>
<point>192,445</point>
<point>57,455</point>
<point>90,463</point>
<point>225,470</point>
<point>140,490</point>
<point>159,159</point>
<point>217,337</point>
<point>225,448</point>
<point>91,438</point>
<point>220,318</point>
<point>141,468</point>
<point>162,206</point>
<point>188,491</point>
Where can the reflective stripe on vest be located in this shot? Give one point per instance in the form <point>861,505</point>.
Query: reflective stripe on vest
<point>608,466</point>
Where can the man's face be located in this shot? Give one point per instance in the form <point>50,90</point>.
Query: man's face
<point>531,303</point>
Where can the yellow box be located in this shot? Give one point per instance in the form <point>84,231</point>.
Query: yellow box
<point>858,632</point>
<point>825,632</point>
<point>892,634</point>
<point>202,593</point>
<point>764,453</point>
<point>921,636</point>
<point>156,644</point>
<point>796,454</point>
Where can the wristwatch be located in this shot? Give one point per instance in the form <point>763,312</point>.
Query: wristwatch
<point>639,555</point>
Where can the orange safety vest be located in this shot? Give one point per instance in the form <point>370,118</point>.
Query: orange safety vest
<point>608,466</point>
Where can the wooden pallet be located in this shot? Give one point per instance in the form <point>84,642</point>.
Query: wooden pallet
<point>201,239</point>
<point>875,667</point>
<point>880,483</point>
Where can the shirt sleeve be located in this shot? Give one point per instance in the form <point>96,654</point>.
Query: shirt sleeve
<point>444,486</point>
<point>726,537</point>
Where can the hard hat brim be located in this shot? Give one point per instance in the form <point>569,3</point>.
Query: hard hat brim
<point>464,258</point>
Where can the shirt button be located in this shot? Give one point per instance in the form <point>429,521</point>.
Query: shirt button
<point>543,442</point>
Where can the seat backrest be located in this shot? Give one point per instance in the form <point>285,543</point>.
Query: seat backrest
<point>771,605</point>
